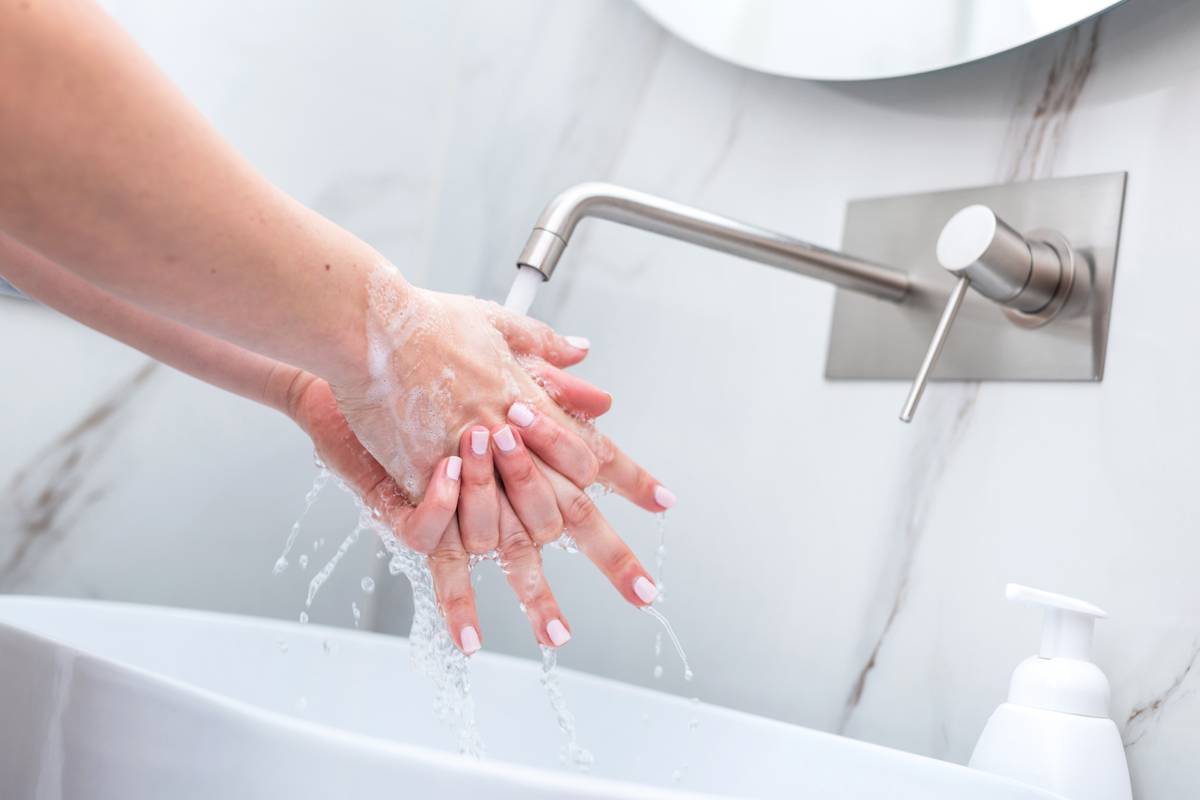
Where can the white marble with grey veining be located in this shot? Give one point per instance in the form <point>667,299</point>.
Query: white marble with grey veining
<point>826,565</point>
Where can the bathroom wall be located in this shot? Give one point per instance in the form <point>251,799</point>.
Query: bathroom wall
<point>827,565</point>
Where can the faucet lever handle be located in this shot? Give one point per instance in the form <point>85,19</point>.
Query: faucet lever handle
<point>940,334</point>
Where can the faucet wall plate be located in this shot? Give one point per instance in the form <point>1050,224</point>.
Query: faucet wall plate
<point>877,339</point>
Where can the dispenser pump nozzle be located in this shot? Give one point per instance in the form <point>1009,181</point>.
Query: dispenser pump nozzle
<point>1067,623</point>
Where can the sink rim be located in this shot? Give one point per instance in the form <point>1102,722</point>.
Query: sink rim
<point>545,778</point>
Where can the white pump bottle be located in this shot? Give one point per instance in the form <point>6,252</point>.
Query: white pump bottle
<point>1054,732</point>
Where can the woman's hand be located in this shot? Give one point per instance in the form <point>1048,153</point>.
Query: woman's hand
<point>437,363</point>
<point>467,483</point>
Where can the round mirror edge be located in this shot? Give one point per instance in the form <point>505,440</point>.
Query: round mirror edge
<point>650,9</point>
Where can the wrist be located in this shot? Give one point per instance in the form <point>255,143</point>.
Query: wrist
<point>387,306</point>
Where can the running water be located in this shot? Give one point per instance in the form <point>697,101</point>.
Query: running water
<point>573,754</point>
<point>654,612</point>
<point>322,478</point>
<point>524,290</point>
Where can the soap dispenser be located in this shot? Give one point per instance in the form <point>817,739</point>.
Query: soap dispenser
<point>1054,732</point>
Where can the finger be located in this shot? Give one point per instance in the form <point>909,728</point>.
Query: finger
<point>433,514</point>
<point>628,478</point>
<point>527,336</point>
<point>451,569</point>
<point>601,544</point>
<point>526,486</point>
<point>478,503</point>
<point>521,561</point>
<point>572,393</point>
<point>562,449</point>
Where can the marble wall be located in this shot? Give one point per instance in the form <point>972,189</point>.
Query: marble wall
<point>827,565</point>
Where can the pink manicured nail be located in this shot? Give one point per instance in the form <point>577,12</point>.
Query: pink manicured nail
<point>664,496</point>
<point>479,440</point>
<point>578,342</point>
<point>558,632</point>
<point>453,467</point>
<point>470,640</point>
<point>521,415</point>
<point>505,440</point>
<point>644,589</point>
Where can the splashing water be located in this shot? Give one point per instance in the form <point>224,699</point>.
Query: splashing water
<point>319,482</point>
<point>572,753</point>
<point>431,649</point>
<point>319,579</point>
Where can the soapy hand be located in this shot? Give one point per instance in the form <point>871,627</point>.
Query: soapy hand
<point>444,372</point>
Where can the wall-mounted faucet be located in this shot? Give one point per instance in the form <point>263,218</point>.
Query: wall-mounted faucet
<point>554,227</point>
<point>891,290</point>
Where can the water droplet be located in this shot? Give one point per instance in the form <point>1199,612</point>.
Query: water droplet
<point>303,617</point>
<point>303,560</point>
<point>688,674</point>
<point>368,584</point>
<point>658,670</point>
<point>357,614</point>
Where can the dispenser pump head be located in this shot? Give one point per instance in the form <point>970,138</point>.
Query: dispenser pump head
<point>1061,676</point>
<point>1067,623</point>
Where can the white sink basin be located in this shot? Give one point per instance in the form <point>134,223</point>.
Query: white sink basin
<point>105,701</point>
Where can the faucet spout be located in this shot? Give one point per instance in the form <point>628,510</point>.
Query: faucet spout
<point>658,215</point>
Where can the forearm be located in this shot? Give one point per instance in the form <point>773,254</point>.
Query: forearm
<point>212,360</point>
<point>112,174</point>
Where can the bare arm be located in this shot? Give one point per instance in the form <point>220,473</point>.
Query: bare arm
<point>111,173</point>
<point>211,360</point>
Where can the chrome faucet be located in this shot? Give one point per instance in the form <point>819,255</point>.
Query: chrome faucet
<point>1020,282</point>
<point>614,203</point>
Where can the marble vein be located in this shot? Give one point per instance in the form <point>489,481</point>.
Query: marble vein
<point>928,463</point>
<point>1040,131</point>
<point>46,496</point>
<point>1142,717</point>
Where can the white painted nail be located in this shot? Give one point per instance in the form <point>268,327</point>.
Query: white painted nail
<point>470,640</point>
<point>578,342</point>
<point>644,589</point>
<point>664,496</point>
<point>558,632</point>
<point>521,415</point>
<point>453,467</point>
<point>479,440</point>
<point>505,440</point>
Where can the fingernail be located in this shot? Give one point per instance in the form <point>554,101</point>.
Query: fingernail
<point>578,342</point>
<point>479,440</point>
<point>644,589</point>
<point>664,496</point>
<point>505,440</point>
<point>521,414</point>
<point>453,467</point>
<point>558,632</point>
<point>470,640</point>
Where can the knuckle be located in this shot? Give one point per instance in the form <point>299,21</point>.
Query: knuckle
<point>580,511</point>
<point>517,549</point>
<point>621,562</point>
<point>456,604</point>
<point>521,473</point>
